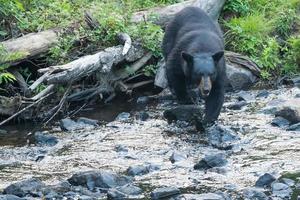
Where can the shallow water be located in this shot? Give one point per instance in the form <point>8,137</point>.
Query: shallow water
<point>262,148</point>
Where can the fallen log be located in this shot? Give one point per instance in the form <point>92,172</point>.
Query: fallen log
<point>161,16</point>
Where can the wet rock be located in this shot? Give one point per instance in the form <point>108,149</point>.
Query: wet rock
<point>294,127</point>
<point>114,194</point>
<point>85,120</point>
<point>239,78</point>
<point>143,100</point>
<point>263,94</point>
<point>30,187</point>
<point>221,137</point>
<point>123,116</point>
<point>236,105</point>
<point>290,111</point>
<point>280,122</point>
<point>288,181</point>
<point>281,190</point>
<point>177,156</point>
<point>121,148</point>
<point>206,196</point>
<point>273,106</point>
<point>165,192</point>
<point>10,197</point>
<point>184,113</point>
<point>265,180</point>
<point>101,179</point>
<point>254,193</point>
<point>68,124</point>
<point>62,187</point>
<point>210,161</point>
<point>44,139</point>
<point>296,81</point>
<point>130,190</point>
<point>297,95</point>
<point>3,132</point>
<point>143,116</point>
<point>139,170</point>
<point>245,96</point>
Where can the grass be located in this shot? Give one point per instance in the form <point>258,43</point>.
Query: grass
<point>263,30</point>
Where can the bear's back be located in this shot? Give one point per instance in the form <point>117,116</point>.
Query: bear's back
<point>190,19</point>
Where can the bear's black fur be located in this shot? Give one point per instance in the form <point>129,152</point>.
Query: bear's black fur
<point>193,48</point>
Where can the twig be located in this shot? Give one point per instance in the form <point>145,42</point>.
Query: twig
<point>91,22</point>
<point>125,38</point>
<point>39,81</point>
<point>75,112</point>
<point>24,109</point>
<point>60,105</point>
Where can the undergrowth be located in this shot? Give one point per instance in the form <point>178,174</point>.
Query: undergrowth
<point>267,31</point>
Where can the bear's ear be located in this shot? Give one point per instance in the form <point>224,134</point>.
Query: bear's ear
<point>217,56</point>
<point>187,57</point>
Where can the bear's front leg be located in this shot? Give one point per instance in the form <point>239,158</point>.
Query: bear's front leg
<point>214,103</point>
<point>178,88</point>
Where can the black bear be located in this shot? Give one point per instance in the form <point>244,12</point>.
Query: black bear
<point>193,48</point>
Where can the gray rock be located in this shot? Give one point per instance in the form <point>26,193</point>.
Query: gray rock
<point>139,170</point>
<point>44,139</point>
<point>296,81</point>
<point>10,197</point>
<point>3,132</point>
<point>114,194</point>
<point>290,111</point>
<point>206,196</point>
<point>68,124</point>
<point>27,187</point>
<point>263,94</point>
<point>184,113</point>
<point>85,120</point>
<point>222,137</point>
<point>297,95</point>
<point>143,100</point>
<point>210,161</point>
<point>280,122</point>
<point>130,190</point>
<point>165,192</point>
<point>254,194</point>
<point>237,105</point>
<point>288,181</point>
<point>121,148</point>
<point>101,179</point>
<point>143,116</point>
<point>294,127</point>
<point>123,116</point>
<point>265,180</point>
<point>239,78</point>
<point>177,156</point>
<point>273,106</point>
<point>245,96</point>
<point>281,190</point>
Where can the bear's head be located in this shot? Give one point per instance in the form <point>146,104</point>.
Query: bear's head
<point>200,70</point>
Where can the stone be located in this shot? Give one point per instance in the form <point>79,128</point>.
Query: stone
<point>44,139</point>
<point>68,124</point>
<point>139,170</point>
<point>85,120</point>
<point>237,105</point>
<point>245,96</point>
<point>290,111</point>
<point>254,193</point>
<point>130,189</point>
<point>21,189</point>
<point>3,132</point>
<point>273,106</point>
<point>205,196</point>
<point>288,182</point>
<point>210,161</point>
<point>294,127</point>
<point>177,156</point>
<point>101,179</point>
<point>296,81</point>
<point>263,94</point>
<point>280,122</point>
<point>281,190</point>
<point>10,197</point>
<point>143,100</point>
<point>165,192</point>
<point>123,116</point>
<point>121,148</point>
<point>239,78</point>
<point>186,113</point>
<point>265,180</point>
<point>143,116</point>
<point>114,194</point>
<point>222,137</point>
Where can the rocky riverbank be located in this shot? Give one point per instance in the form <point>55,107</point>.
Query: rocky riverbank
<point>252,153</point>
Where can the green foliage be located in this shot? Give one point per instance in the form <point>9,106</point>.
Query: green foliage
<point>6,77</point>
<point>254,28</point>
<point>150,70</point>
